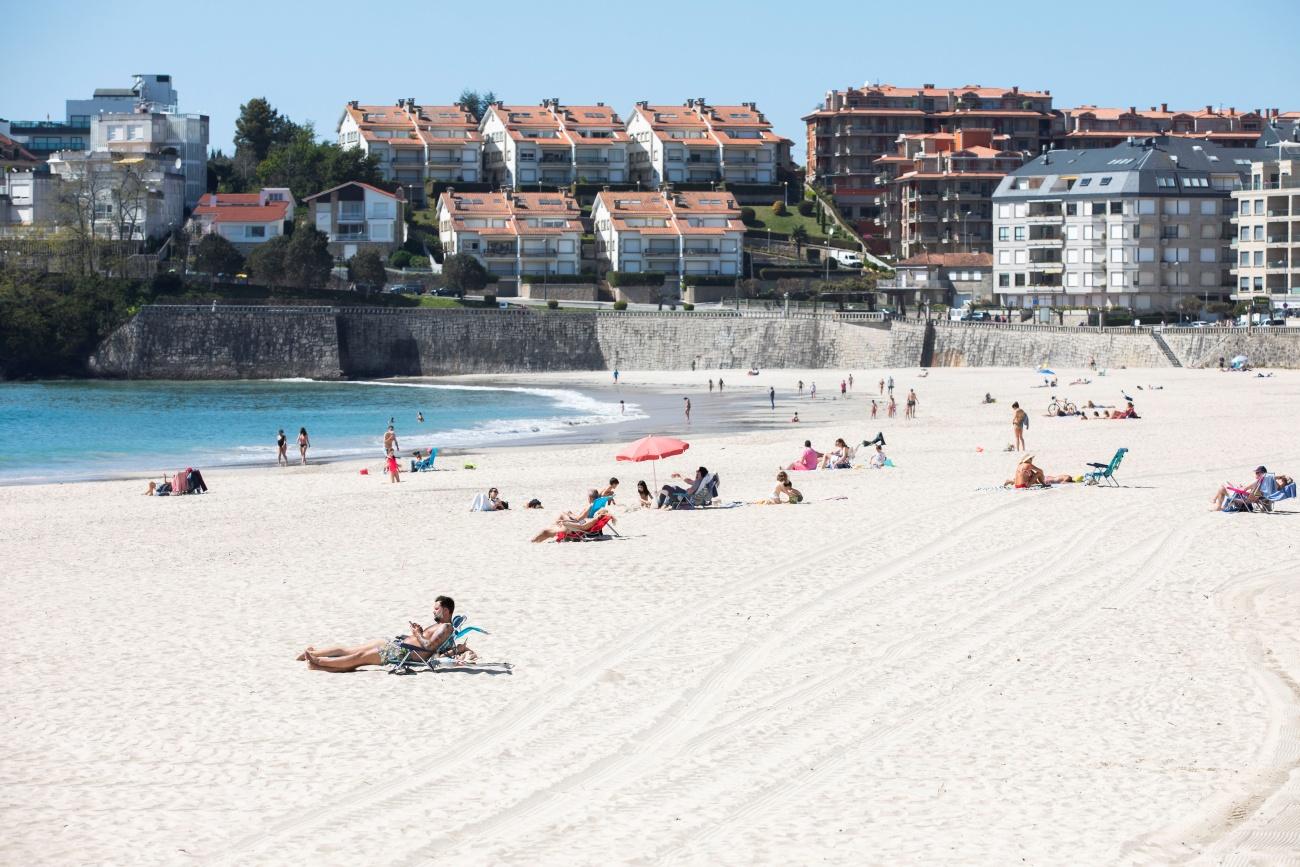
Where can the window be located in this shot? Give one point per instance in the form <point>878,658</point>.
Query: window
<point>1004,234</point>
<point>1245,258</point>
<point>1209,230</point>
<point>1259,233</point>
<point>1098,209</point>
<point>1089,233</point>
<point>1072,233</point>
<point>116,133</point>
<point>1089,255</point>
<point>1004,211</point>
<point>1088,279</point>
<point>1137,230</point>
<point>1105,182</point>
<point>1004,257</point>
<point>1166,181</point>
<point>1146,206</point>
<point>1020,279</point>
<point>1072,256</point>
<point>1022,210</point>
<point>1259,259</point>
<point>1117,254</point>
<point>255,231</point>
<point>1022,256</point>
<point>1020,233</point>
<point>135,132</point>
<point>1004,281</point>
<point>1196,182</point>
<point>1146,254</point>
<point>1209,254</point>
<point>1071,209</point>
<point>1085,182</point>
<point>1245,233</point>
<point>1072,278</point>
<point>1117,278</point>
<point>1116,207</point>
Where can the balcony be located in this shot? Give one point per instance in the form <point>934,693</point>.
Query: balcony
<point>661,250</point>
<point>591,159</point>
<point>554,157</point>
<point>962,196</point>
<point>702,159</point>
<point>923,217</point>
<point>539,253</point>
<point>499,251</point>
<point>741,161</point>
<point>351,232</point>
<point>703,251</point>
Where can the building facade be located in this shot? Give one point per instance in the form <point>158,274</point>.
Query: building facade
<point>955,279</point>
<point>1088,126</point>
<point>244,219</point>
<point>513,234</point>
<point>356,216</point>
<point>1266,226</point>
<point>126,197</point>
<point>415,143</point>
<point>699,143</point>
<point>938,191</point>
<point>181,137</point>
<point>1143,225</point>
<point>147,93</point>
<point>853,128</point>
<point>674,233</point>
<point>553,145</point>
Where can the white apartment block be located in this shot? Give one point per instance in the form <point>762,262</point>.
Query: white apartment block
<point>1267,228</point>
<point>700,143</point>
<point>415,143</point>
<point>181,137</point>
<point>513,234</point>
<point>553,145</point>
<point>132,196</point>
<point>676,233</point>
<point>244,219</point>
<point>356,216</point>
<point>1143,225</point>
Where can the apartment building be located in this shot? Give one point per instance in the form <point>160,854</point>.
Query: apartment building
<point>130,197</point>
<point>149,93</point>
<point>853,128</point>
<point>182,137</point>
<point>1266,228</point>
<point>244,219</point>
<point>415,143</point>
<point>955,279</point>
<point>1090,126</point>
<point>672,232</point>
<point>356,216</point>
<point>938,191</point>
<point>1143,225</point>
<point>699,143</point>
<point>553,144</point>
<point>31,198</point>
<point>513,234</point>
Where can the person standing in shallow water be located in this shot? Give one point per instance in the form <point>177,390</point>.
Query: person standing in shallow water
<point>281,449</point>
<point>688,409</point>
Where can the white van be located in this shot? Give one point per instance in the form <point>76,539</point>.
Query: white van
<point>847,258</point>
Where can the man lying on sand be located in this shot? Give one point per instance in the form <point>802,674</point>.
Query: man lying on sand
<point>580,526</point>
<point>1026,475</point>
<point>439,639</point>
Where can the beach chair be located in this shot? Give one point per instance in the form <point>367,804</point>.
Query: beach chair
<point>425,465</point>
<point>1269,492</point>
<point>1106,471</point>
<point>595,534</point>
<point>411,661</point>
<point>703,497</point>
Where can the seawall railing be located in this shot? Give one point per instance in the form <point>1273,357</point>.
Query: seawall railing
<point>514,312</point>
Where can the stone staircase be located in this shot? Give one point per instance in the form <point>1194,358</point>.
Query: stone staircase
<point>1164,349</point>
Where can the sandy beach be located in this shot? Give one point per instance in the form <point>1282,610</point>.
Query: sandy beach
<point>914,666</point>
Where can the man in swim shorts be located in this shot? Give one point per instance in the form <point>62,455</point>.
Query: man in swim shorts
<point>439,639</point>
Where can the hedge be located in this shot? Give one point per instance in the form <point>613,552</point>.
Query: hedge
<point>635,278</point>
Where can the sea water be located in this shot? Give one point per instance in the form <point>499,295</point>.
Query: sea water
<point>64,430</point>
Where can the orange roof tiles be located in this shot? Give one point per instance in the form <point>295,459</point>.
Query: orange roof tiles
<point>676,208</point>
<point>515,209</point>
<point>240,208</point>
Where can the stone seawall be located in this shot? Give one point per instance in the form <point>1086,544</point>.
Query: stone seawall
<point>332,343</point>
<point>329,343</point>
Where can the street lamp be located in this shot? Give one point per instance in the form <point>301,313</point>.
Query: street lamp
<point>785,193</point>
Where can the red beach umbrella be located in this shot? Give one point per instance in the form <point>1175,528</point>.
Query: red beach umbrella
<point>653,448</point>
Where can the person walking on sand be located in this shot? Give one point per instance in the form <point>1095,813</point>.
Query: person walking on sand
<point>771,396</point>
<point>710,385</point>
<point>616,376</point>
<point>893,407</point>
<point>688,409</point>
<point>390,440</point>
<point>844,387</point>
<point>304,443</point>
<point>1019,421</point>
<point>801,388</point>
<point>911,403</point>
<point>850,382</point>
<point>719,385</point>
<point>281,449</point>
<point>391,467</point>
<point>882,388</point>
<point>890,386</point>
<point>874,407</point>
<point>812,391</point>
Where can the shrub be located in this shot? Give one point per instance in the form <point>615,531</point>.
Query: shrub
<point>688,306</point>
<point>213,254</point>
<point>553,304</point>
<point>490,299</point>
<point>400,259</point>
<point>806,208</point>
<point>778,208</point>
<point>620,305</point>
<point>466,273</point>
<point>747,216</point>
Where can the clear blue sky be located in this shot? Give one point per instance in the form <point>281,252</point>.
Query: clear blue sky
<point>309,59</point>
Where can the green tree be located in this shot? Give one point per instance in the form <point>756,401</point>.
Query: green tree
<point>476,103</point>
<point>307,259</point>
<point>464,272</point>
<point>800,237</point>
<point>221,174</point>
<point>259,127</point>
<point>366,270</point>
<point>266,262</point>
<point>307,166</point>
<point>340,165</point>
<point>213,254</point>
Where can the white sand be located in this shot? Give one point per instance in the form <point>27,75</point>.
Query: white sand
<point>928,671</point>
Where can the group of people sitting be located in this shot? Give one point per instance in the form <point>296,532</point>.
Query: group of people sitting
<point>841,457</point>
<point>1028,475</point>
<point>589,519</point>
<point>187,481</point>
<point>1259,495</point>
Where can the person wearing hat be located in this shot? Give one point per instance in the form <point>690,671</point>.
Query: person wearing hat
<point>1026,474</point>
<point>1227,492</point>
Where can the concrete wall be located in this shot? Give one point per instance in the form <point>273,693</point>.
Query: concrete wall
<point>978,345</point>
<point>1265,347</point>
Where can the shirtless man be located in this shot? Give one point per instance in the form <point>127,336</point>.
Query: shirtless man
<point>1019,419</point>
<point>390,441</point>
<point>439,640</point>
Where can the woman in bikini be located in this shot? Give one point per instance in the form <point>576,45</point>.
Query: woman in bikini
<point>783,489</point>
<point>304,443</point>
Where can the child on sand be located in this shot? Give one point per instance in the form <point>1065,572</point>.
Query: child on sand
<point>391,467</point>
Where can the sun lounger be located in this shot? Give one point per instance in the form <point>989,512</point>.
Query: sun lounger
<point>1106,471</point>
<point>703,496</point>
<point>596,533</point>
<point>1268,493</point>
<point>439,656</point>
<point>425,465</point>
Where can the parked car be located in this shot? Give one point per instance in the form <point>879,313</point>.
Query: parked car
<point>448,292</point>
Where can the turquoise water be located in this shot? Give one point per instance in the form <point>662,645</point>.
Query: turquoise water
<point>79,429</point>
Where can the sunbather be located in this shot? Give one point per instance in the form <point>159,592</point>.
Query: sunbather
<point>670,493</point>
<point>1028,474</point>
<point>581,526</point>
<point>785,492</point>
<point>438,640</point>
<point>580,514</point>
<point>878,459</point>
<point>1229,497</point>
<point>838,457</point>
<point>808,460</point>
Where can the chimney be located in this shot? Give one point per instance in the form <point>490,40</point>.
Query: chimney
<point>699,102</point>
<point>1164,106</point>
<point>1015,88</point>
<point>601,104</point>
<point>1209,109</point>
<point>605,188</point>
<point>354,104</point>
<point>451,192</point>
<point>1132,109</point>
<point>645,103</point>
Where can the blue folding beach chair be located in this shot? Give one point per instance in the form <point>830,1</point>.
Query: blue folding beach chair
<point>412,653</point>
<point>1106,471</point>
<point>425,465</point>
<point>1268,493</point>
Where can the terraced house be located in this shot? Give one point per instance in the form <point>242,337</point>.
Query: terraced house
<point>553,144</point>
<point>700,143</point>
<point>415,143</point>
<point>1088,126</point>
<point>853,128</point>
<point>675,233</point>
<point>513,234</point>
